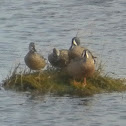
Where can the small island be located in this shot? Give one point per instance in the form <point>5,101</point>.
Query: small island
<point>54,81</point>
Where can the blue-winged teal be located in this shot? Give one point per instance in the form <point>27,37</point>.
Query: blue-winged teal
<point>76,50</point>
<point>34,60</point>
<point>82,67</point>
<point>59,58</point>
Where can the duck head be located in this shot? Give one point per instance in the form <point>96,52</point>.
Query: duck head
<point>86,56</point>
<point>32,47</point>
<point>56,52</point>
<point>75,42</point>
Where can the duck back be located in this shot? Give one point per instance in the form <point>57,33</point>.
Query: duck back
<point>34,61</point>
<point>75,52</point>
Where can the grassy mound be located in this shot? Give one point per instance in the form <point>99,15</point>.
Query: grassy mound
<point>57,82</point>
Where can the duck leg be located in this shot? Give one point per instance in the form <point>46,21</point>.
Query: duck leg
<point>84,83</point>
<point>39,76</point>
<point>29,72</point>
<point>75,83</point>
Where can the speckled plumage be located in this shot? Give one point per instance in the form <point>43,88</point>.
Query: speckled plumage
<point>82,67</point>
<point>34,60</point>
<point>59,58</point>
<point>75,50</point>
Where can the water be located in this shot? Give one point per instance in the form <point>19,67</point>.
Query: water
<point>101,110</point>
<point>53,23</point>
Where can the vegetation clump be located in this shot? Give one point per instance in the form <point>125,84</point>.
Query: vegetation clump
<point>57,82</point>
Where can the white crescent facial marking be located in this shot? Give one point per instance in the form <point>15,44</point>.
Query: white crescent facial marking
<point>87,55</point>
<point>74,42</point>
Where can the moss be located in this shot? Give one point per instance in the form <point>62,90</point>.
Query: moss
<point>57,82</point>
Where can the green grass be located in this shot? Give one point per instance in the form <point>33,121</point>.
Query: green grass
<point>57,82</point>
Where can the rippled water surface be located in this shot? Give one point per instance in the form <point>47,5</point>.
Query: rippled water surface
<point>101,26</point>
<point>100,110</point>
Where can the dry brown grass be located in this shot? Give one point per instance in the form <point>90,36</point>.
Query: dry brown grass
<point>57,82</point>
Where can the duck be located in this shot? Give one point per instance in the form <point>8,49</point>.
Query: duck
<point>76,50</point>
<point>82,67</point>
<point>33,59</point>
<point>59,58</point>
